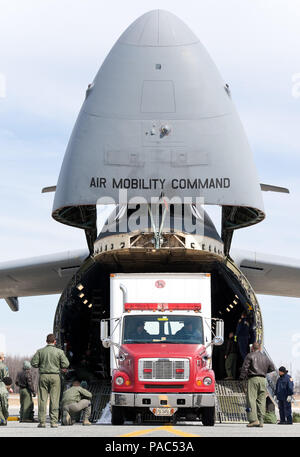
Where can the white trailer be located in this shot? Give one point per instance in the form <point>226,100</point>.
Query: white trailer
<point>160,288</point>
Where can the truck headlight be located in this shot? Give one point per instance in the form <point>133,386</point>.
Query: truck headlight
<point>207,381</point>
<point>119,380</point>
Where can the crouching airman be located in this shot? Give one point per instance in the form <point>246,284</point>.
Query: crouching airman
<point>74,400</point>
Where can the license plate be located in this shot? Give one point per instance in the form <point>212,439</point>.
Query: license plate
<point>163,411</point>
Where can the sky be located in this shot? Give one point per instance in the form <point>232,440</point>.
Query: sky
<point>51,50</point>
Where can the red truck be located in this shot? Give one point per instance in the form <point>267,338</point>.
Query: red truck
<point>161,348</point>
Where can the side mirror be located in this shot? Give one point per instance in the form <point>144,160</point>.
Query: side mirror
<point>104,330</point>
<point>219,338</point>
<point>107,342</point>
<point>217,341</point>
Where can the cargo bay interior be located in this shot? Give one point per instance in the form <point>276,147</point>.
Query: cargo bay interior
<point>86,301</point>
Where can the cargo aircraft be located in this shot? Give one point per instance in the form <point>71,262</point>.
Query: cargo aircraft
<point>157,131</point>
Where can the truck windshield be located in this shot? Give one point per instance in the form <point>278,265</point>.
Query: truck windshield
<point>163,329</point>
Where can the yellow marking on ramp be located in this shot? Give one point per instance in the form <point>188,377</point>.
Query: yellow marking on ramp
<point>171,429</point>
<point>168,428</point>
<point>141,432</point>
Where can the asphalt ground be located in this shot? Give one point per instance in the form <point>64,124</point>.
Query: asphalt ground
<point>144,433</point>
<point>180,430</point>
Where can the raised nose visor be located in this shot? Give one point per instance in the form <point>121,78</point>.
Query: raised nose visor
<point>158,120</point>
<point>158,28</point>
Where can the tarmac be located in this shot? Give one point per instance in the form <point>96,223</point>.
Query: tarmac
<point>15,429</point>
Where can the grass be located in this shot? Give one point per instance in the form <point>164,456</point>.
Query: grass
<point>296,417</point>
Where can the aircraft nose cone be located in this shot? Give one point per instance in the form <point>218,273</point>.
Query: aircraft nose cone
<point>158,28</point>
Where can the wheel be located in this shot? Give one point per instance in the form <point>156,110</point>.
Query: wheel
<point>130,414</point>
<point>117,415</point>
<point>208,416</point>
<point>174,419</point>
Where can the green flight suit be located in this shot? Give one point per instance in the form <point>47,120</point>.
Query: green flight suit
<point>26,388</point>
<point>26,405</point>
<point>230,365</point>
<point>3,371</point>
<point>3,404</point>
<point>50,360</point>
<point>256,398</point>
<point>270,418</point>
<point>75,400</point>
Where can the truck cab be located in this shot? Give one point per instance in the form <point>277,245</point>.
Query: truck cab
<point>161,349</point>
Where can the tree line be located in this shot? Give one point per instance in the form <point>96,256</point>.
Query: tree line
<point>15,364</point>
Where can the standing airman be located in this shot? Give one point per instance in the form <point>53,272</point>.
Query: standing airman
<point>283,392</point>
<point>255,368</point>
<point>242,334</point>
<point>50,360</point>
<point>3,368</point>
<point>27,391</point>
<point>231,357</point>
<point>5,387</point>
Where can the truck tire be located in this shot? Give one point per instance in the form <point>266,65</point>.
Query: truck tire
<point>208,416</point>
<point>117,415</point>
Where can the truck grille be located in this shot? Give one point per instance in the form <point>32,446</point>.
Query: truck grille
<point>164,369</point>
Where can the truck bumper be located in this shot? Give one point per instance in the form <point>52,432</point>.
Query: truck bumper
<point>145,400</point>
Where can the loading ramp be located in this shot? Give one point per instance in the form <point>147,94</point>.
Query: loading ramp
<point>231,402</point>
<point>101,396</point>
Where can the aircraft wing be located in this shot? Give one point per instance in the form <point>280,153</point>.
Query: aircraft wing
<point>269,274</point>
<point>49,274</point>
<point>41,275</point>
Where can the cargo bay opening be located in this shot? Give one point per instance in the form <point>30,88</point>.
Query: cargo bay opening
<point>86,301</point>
